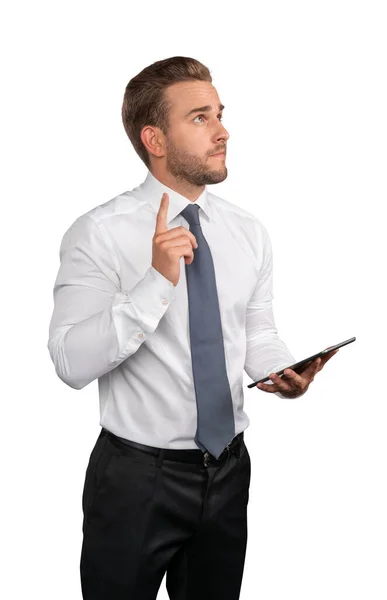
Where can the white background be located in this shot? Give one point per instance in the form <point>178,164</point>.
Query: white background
<point>304,85</point>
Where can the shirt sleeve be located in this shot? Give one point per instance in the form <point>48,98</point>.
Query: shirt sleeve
<point>265,352</point>
<point>95,325</point>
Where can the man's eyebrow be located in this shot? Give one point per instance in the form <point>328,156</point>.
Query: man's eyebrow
<point>202,109</point>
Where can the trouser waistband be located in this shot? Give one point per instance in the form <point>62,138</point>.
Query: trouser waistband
<point>190,455</point>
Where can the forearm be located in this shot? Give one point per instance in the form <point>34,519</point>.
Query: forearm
<point>267,354</point>
<point>95,325</point>
<point>94,346</point>
<point>265,351</point>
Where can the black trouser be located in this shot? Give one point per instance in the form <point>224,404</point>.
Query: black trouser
<point>150,511</point>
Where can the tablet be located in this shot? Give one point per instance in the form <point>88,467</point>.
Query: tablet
<point>305,360</point>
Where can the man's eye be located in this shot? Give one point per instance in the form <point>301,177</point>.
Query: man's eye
<point>221,118</point>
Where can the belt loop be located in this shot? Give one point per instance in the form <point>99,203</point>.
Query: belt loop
<point>160,458</point>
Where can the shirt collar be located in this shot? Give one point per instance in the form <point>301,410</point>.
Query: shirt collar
<point>152,189</point>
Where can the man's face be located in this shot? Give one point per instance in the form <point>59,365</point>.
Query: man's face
<point>193,138</point>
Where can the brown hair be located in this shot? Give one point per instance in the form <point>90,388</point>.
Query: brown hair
<point>144,99</point>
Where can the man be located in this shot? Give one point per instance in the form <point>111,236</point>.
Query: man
<point>164,295</point>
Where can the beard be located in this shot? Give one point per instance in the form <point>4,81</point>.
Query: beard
<point>192,169</point>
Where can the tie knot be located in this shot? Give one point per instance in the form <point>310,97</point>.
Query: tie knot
<point>191,214</point>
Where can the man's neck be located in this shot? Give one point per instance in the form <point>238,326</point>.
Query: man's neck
<point>191,192</point>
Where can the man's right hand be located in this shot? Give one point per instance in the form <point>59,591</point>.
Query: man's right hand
<point>169,245</point>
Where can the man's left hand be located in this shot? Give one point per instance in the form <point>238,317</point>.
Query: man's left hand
<point>293,384</point>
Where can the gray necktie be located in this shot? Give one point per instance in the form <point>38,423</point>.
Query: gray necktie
<point>215,424</point>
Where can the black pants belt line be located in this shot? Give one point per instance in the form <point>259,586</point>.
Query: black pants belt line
<point>190,456</point>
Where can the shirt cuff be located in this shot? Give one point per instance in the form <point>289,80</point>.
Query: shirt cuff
<point>151,295</point>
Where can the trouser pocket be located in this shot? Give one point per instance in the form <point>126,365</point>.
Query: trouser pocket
<point>99,460</point>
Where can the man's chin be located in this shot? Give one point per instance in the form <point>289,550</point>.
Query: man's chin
<point>216,176</point>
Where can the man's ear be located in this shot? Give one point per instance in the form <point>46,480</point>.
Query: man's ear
<point>153,140</point>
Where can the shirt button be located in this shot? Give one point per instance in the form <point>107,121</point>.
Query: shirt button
<point>165,301</point>
<point>140,335</point>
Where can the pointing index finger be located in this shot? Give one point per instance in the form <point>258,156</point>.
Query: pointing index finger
<point>161,219</point>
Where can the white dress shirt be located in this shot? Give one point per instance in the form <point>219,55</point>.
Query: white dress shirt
<point>118,319</point>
